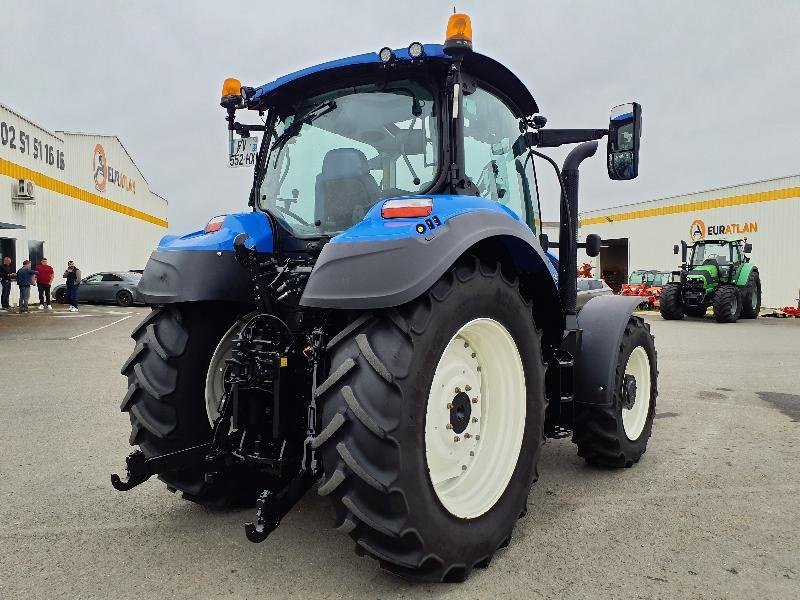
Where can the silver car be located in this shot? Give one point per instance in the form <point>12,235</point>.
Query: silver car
<point>589,287</point>
<point>118,287</point>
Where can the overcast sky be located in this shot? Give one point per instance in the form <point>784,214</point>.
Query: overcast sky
<point>718,81</point>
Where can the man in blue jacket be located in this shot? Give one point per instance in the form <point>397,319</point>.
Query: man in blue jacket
<point>26,277</point>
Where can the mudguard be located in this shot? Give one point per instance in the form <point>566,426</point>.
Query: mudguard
<point>603,321</point>
<point>201,266</point>
<point>382,263</point>
<point>744,273</point>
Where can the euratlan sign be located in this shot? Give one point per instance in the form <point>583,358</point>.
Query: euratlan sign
<point>698,230</point>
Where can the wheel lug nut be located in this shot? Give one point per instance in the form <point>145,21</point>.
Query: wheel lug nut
<point>474,400</point>
<point>474,419</point>
<point>477,437</point>
<point>448,426</point>
<point>458,390</point>
<point>463,467</point>
<point>449,406</point>
<point>456,439</point>
<point>467,436</point>
<point>471,453</point>
<point>467,388</point>
<point>478,369</point>
<point>473,355</point>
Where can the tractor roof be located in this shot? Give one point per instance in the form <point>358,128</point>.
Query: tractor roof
<point>494,74</point>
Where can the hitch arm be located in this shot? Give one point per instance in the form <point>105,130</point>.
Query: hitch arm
<point>272,507</point>
<point>139,469</point>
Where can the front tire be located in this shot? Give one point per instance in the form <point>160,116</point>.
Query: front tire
<point>671,305</point>
<point>617,435</point>
<point>124,298</point>
<point>727,305</point>
<point>61,296</point>
<point>385,444</point>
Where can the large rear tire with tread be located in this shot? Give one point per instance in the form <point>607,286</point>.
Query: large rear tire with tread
<point>751,296</point>
<point>671,306</point>
<point>376,418</point>
<point>617,435</point>
<point>727,305</point>
<point>166,395</point>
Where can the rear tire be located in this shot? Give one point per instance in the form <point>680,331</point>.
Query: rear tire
<point>751,296</point>
<point>727,305</point>
<point>166,389</point>
<point>61,296</point>
<point>377,408</point>
<point>617,435</point>
<point>124,298</point>
<point>671,306</point>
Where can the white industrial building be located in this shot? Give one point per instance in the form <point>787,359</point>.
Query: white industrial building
<point>73,196</point>
<point>642,235</point>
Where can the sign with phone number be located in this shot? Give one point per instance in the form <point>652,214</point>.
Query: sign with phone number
<point>243,152</point>
<point>19,140</point>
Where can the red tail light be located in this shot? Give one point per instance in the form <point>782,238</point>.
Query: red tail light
<point>407,207</point>
<point>214,224</point>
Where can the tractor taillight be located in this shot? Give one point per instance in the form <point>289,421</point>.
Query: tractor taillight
<point>406,207</point>
<point>214,224</point>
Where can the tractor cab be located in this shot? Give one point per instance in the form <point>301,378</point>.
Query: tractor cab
<point>716,260</point>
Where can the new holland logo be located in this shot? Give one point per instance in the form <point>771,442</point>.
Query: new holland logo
<point>104,174</point>
<point>698,230</point>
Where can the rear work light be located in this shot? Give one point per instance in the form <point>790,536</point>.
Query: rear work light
<point>407,207</point>
<point>214,224</point>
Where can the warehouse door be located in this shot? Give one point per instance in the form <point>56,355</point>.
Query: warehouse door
<point>35,252</point>
<point>614,262</point>
<point>8,247</point>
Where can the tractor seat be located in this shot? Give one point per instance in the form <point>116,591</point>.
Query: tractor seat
<point>344,190</point>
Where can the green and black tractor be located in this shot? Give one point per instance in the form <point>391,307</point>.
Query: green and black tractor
<point>719,275</point>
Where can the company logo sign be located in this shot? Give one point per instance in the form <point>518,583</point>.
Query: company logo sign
<point>105,174</point>
<point>698,230</point>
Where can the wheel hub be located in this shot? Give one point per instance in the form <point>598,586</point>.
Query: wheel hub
<point>460,412</point>
<point>628,391</point>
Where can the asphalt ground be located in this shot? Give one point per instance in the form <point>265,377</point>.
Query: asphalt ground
<point>711,511</point>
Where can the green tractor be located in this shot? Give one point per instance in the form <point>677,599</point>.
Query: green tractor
<point>719,275</point>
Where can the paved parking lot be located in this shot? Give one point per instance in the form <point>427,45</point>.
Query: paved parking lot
<point>711,511</point>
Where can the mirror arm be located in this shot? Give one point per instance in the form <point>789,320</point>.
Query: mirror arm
<point>551,138</point>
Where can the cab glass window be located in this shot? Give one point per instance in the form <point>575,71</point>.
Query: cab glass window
<point>495,157</point>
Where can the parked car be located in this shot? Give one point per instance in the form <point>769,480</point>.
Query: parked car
<point>118,287</point>
<point>589,287</point>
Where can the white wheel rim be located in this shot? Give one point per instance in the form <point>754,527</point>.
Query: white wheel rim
<point>470,470</point>
<point>634,418</point>
<point>215,377</point>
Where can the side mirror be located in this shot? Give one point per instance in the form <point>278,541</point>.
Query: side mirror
<point>748,247</point>
<point>624,132</point>
<point>593,245</point>
<point>544,241</point>
<point>676,249</point>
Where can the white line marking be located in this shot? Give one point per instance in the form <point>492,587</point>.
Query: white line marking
<point>75,337</point>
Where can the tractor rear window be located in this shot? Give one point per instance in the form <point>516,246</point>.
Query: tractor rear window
<point>711,253</point>
<point>343,151</point>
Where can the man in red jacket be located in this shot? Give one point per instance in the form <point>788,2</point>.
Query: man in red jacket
<point>44,279</point>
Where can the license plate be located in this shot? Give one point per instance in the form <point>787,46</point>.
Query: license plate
<point>243,152</point>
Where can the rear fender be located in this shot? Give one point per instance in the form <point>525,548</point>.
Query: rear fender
<point>744,273</point>
<point>603,321</point>
<point>382,263</point>
<point>201,266</point>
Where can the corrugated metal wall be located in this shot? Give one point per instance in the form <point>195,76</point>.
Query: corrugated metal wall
<point>766,212</point>
<point>104,219</point>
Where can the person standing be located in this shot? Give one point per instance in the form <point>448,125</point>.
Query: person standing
<point>7,273</point>
<point>73,277</point>
<point>25,278</point>
<point>44,279</point>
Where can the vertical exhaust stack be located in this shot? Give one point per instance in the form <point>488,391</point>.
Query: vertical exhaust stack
<point>568,234</point>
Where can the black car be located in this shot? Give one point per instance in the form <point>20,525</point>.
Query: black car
<point>118,287</point>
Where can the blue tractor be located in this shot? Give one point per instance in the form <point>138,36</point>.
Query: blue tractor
<point>386,322</point>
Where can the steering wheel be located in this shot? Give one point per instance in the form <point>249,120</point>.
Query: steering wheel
<point>295,216</point>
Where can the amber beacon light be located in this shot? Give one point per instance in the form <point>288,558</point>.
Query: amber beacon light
<point>459,32</point>
<point>231,87</point>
